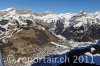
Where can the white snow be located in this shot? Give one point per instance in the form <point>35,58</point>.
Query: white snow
<point>8,9</point>
<point>92,59</point>
<point>78,25</point>
<point>63,46</point>
<point>88,53</point>
<point>92,49</point>
<point>62,52</point>
<point>60,37</point>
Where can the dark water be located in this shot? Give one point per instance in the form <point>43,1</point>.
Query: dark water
<point>51,60</point>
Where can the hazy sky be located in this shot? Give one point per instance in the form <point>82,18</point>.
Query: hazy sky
<point>53,5</point>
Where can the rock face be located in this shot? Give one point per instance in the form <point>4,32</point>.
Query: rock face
<point>29,43</point>
<point>59,27</point>
<point>82,33</point>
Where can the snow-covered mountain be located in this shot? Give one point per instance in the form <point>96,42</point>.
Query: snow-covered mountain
<point>77,26</point>
<point>52,33</point>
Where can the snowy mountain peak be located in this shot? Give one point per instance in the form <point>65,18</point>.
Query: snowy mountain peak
<point>48,12</point>
<point>9,9</point>
<point>82,11</point>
